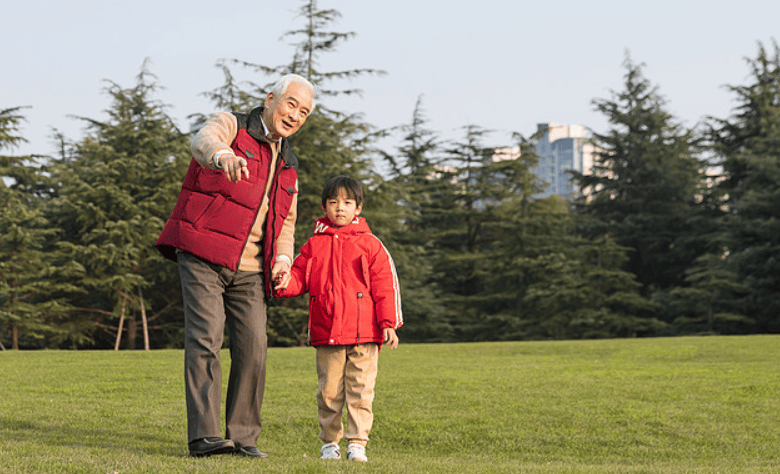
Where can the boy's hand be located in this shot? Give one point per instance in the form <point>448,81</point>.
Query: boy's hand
<point>281,281</point>
<point>390,337</point>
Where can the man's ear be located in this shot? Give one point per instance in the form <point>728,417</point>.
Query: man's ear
<point>359,208</point>
<point>268,99</point>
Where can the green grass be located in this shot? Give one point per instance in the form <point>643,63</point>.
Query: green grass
<point>681,405</point>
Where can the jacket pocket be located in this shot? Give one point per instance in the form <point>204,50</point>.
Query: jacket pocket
<point>320,319</point>
<point>365,273</point>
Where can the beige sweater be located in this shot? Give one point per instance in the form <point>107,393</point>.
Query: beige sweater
<point>216,136</point>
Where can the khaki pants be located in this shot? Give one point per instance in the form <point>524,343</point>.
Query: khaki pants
<point>346,373</point>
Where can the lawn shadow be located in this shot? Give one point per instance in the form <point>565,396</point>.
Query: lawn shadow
<point>23,431</point>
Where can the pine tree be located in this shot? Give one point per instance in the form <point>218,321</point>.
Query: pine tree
<point>412,186</point>
<point>545,281</point>
<point>748,145</point>
<point>32,305</point>
<point>519,229</point>
<point>317,41</point>
<point>645,182</point>
<point>458,219</point>
<point>115,193</point>
<point>314,41</point>
<point>710,299</point>
<point>579,291</point>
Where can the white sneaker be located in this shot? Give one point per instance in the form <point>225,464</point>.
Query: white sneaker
<point>330,451</point>
<point>356,452</point>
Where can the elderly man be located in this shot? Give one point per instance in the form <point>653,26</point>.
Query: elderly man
<point>231,233</point>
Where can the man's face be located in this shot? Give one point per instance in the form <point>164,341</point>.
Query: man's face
<point>285,114</point>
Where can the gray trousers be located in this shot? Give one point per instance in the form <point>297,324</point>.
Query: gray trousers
<point>215,297</point>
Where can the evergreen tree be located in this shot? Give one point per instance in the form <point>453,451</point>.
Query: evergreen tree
<point>32,303</point>
<point>458,217</point>
<point>711,299</point>
<point>545,281</point>
<point>21,239</point>
<point>413,187</point>
<point>580,291</point>
<point>314,41</point>
<point>644,186</point>
<point>317,41</point>
<point>115,193</point>
<point>520,230</point>
<point>748,145</point>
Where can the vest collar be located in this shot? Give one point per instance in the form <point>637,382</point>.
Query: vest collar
<point>256,130</point>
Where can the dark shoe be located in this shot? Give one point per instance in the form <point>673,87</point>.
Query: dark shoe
<point>250,452</point>
<point>208,446</point>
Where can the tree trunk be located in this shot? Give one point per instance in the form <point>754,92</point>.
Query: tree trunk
<point>132,331</point>
<point>143,319</point>
<point>14,336</point>
<point>121,324</point>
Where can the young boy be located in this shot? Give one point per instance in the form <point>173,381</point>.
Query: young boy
<point>354,307</point>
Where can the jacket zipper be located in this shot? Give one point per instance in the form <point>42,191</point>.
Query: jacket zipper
<point>360,297</point>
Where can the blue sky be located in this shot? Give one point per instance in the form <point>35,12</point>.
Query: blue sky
<point>503,65</point>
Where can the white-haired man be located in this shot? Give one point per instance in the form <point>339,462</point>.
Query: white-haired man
<point>231,233</point>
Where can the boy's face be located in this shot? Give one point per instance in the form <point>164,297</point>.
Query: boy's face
<point>341,210</point>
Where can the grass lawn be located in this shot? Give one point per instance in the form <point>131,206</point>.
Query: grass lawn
<point>678,405</point>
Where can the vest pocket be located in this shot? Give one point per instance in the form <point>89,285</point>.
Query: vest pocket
<point>209,209</point>
<point>285,192</point>
<point>221,215</point>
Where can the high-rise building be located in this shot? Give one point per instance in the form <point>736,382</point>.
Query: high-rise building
<point>562,148</point>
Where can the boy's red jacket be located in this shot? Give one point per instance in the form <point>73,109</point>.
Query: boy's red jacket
<point>352,284</point>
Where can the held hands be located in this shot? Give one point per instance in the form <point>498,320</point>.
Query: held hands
<point>390,338</point>
<point>233,166</point>
<point>280,275</point>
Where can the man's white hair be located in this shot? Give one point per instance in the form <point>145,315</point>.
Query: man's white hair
<point>281,86</point>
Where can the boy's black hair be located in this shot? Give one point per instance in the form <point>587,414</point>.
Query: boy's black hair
<point>351,188</point>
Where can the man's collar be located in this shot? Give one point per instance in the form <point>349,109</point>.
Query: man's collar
<point>266,134</point>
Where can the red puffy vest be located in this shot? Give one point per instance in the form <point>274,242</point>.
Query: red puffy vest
<point>213,217</point>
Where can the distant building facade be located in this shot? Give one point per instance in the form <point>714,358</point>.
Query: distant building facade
<point>562,148</point>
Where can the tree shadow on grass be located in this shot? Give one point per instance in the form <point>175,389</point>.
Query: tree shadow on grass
<point>17,431</point>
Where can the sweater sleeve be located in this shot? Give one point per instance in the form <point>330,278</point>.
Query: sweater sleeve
<point>216,135</point>
<point>385,289</point>
<point>298,284</point>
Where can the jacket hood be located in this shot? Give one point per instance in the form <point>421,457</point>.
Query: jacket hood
<point>323,225</point>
